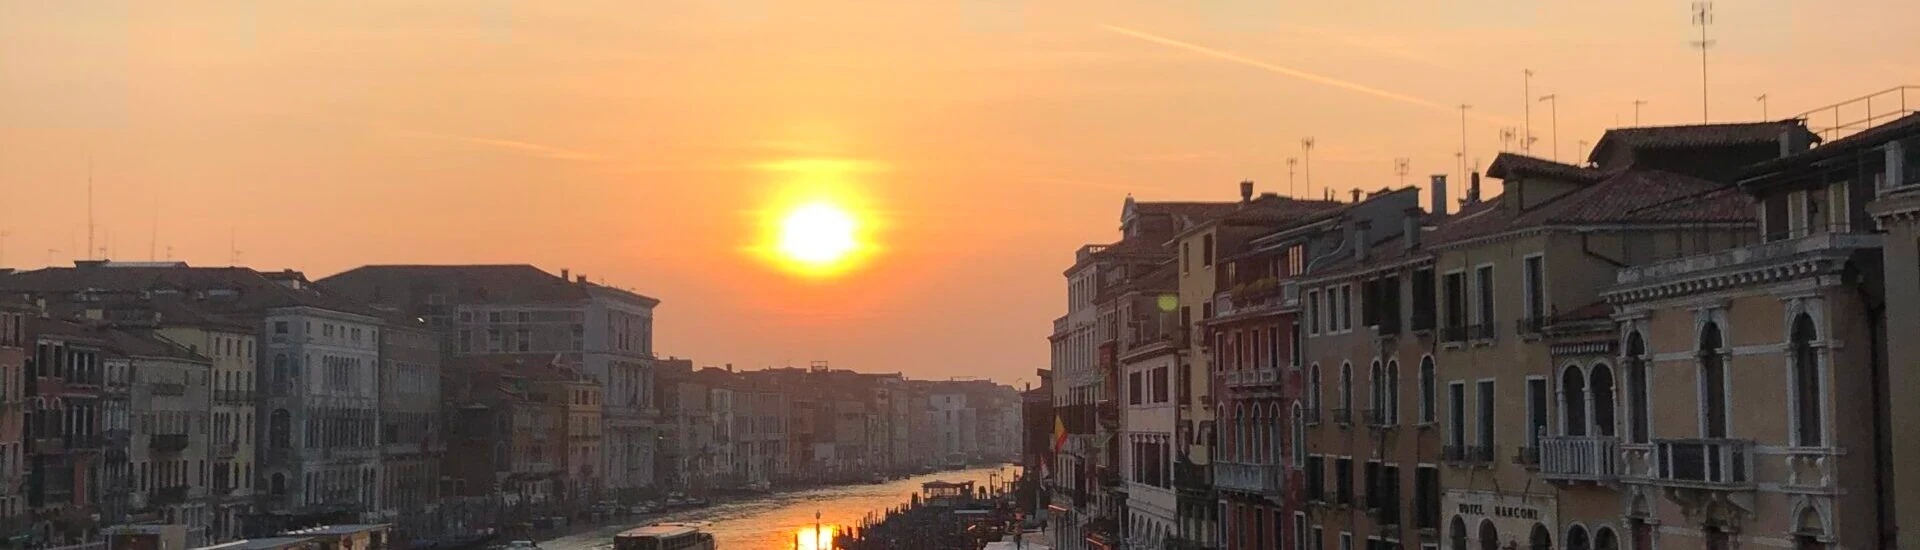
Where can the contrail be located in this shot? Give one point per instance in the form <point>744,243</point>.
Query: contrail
<point>542,150</point>
<point>1296,73</point>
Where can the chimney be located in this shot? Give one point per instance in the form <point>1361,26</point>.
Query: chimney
<point>563,274</point>
<point>1437,191</point>
<point>1361,243</point>
<point>1356,195</point>
<point>1473,188</point>
<point>1410,227</point>
<point>1793,140</point>
<point>1246,191</point>
<point>582,279</point>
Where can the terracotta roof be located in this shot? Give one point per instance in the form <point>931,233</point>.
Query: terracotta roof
<point>1895,129</point>
<point>1634,196</point>
<point>1513,164</point>
<point>1696,135</point>
<point>245,289</point>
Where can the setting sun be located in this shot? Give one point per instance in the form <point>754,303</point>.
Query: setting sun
<point>817,234</point>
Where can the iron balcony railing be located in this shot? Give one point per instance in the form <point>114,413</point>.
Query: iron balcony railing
<point>1453,333</point>
<point>1579,458</point>
<point>1377,418</point>
<point>1725,464</point>
<point>1851,116</point>
<point>1481,331</point>
<point>167,443</point>
<point>1264,479</point>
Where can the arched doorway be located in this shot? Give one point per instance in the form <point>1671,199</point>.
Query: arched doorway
<point>1457,534</point>
<point>1489,535</point>
<point>1541,538</point>
<point>1605,539</point>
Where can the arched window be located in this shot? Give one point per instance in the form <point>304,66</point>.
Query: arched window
<point>1276,451</point>
<point>1346,392</point>
<point>1600,384</point>
<point>1713,382</point>
<point>1638,411</point>
<point>1299,437</point>
<point>1605,539</point>
<point>1489,535</point>
<point>1457,534</point>
<point>1313,387</point>
<point>1808,430</point>
<point>1429,393</point>
<point>279,429</point>
<point>1540,539</point>
<point>1577,538</point>
<point>1393,391</point>
<point>1376,393</point>
<point>1573,401</point>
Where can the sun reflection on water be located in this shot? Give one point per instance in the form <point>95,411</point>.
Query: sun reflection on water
<point>807,538</point>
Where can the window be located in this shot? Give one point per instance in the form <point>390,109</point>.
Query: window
<point>1346,540</point>
<point>1377,391</point>
<point>1425,300</point>
<point>1713,382</point>
<point>1536,410</point>
<point>1429,398</point>
<point>1316,478</point>
<point>1299,436</point>
<point>1393,392</point>
<point>1486,415</point>
<point>1638,410</point>
<point>1343,480</point>
<point>1186,257</point>
<point>1600,384</point>
<point>1133,388</point>
<point>1206,250</point>
<point>1806,384</point>
<point>1573,401</point>
<point>1313,387</point>
<point>1294,350</point>
<point>1483,277</point>
<point>1457,409</point>
<point>1300,531</point>
<point>1346,391</point>
<point>1319,538</point>
<point>1313,312</point>
<point>1536,293</point>
<point>1346,307</point>
<point>279,327</point>
<point>1160,385</point>
<point>1426,490</point>
<point>1456,284</point>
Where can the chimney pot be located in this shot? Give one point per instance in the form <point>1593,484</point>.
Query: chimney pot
<point>581,279</point>
<point>1246,190</point>
<point>563,274</point>
<point>1437,191</point>
<point>1473,188</point>
<point>1356,195</point>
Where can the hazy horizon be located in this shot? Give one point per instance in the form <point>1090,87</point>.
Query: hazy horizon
<point>981,143</point>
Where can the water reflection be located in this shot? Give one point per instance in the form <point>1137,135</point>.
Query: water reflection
<point>812,538</point>
<point>779,522</point>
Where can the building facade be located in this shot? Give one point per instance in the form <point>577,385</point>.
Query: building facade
<point>411,433</point>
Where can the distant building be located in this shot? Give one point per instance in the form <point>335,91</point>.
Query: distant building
<point>412,435</point>
<point>521,310</point>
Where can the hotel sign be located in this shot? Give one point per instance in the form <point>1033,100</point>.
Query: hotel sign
<point>1513,514</point>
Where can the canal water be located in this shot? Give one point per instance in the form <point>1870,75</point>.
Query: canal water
<point>779,521</point>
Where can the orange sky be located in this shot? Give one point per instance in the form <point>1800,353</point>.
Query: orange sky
<point>637,141</point>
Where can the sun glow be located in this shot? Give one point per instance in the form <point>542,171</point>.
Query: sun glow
<point>817,234</point>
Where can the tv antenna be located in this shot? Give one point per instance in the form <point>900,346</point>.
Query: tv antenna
<point>1553,101</point>
<point>233,248</point>
<point>1306,161</point>
<point>89,249</point>
<point>1463,140</point>
<point>1703,18</point>
<point>1506,138</point>
<point>1526,143</point>
<point>1763,105</point>
<point>1636,110</point>
<point>1291,189</point>
<point>1401,166</point>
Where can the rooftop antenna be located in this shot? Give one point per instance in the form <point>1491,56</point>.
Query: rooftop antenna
<point>89,249</point>
<point>1291,189</point>
<point>153,233</point>
<point>1463,140</point>
<point>1526,144</point>
<point>1401,166</point>
<point>1306,161</point>
<point>233,248</point>
<point>1636,110</point>
<point>1506,138</point>
<point>1554,101</point>
<point>1763,105</point>
<point>1703,17</point>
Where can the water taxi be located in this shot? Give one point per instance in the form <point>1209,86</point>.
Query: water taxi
<point>665,536</point>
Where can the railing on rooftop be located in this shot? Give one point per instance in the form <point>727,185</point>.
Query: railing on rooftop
<point>1848,117</point>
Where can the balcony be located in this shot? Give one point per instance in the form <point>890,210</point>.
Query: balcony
<point>1263,376</point>
<point>1377,419</point>
<point>1467,454</point>
<point>1191,479</point>
<point>1265,479</point>
<point>167,443</point>
<point>1720,464</point>
<point>226,450</point>
<point>1453,334</point>
<point>49,445</point>
<point>1387,325</point>
<point>1424,318</point>
<point>1579,458</point>
<point>166,496</point>
<point>1480,332</point>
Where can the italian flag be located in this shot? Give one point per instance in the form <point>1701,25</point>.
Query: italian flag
<point>1059,433</point>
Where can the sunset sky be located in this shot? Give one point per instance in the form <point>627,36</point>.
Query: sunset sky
<point>643,143</point>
